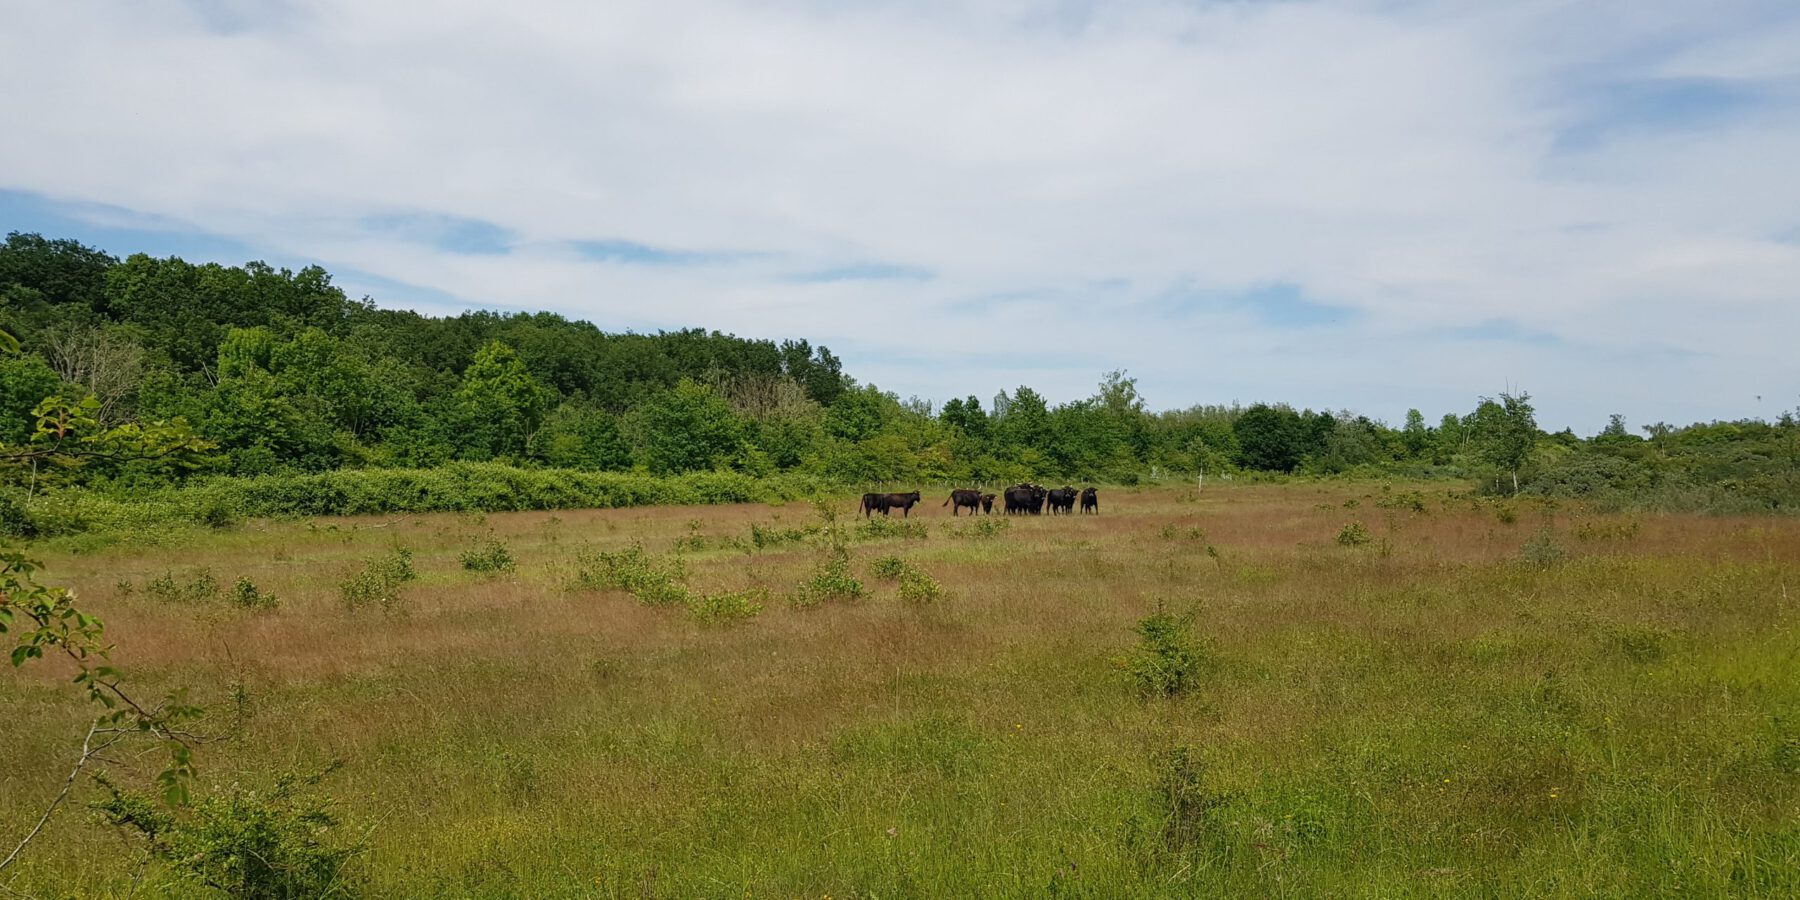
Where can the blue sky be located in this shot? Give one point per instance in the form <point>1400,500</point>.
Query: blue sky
<point>1366,205</point>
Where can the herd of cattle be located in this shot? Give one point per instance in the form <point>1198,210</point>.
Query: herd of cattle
<point>1018,500</point>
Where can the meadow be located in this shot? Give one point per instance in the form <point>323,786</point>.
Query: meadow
<point>1382,691</point>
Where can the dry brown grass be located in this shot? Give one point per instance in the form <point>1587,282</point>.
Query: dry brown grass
<point>992,729</point>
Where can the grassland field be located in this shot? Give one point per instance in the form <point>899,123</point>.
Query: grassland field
<point>1468,698</point>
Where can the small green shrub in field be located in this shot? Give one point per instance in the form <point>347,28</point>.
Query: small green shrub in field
<point>244,594</point>
<point>729,606</point>
<point>1543,551</point>
<point>655,580</point>
<point>216,513</point>
<point>1506,513</point>
<point>889,567</point>
<point>1354,535</point>
<point>379,581</point>
<point>278,844</point>
<point>1167,659</point>
<point>196,588</point>
<point>1173,532</point>
<point>917,586</point>
<point>987,527</point>
<point>830,580</point>
<point>878,528</point>
<point>763,538</point>
<point>493,557</point>
<point>1412,501</point>
<point>693,541</point>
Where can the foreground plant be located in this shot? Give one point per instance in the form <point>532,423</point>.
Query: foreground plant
<point>39,621</point>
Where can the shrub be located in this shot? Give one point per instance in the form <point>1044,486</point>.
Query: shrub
<point>244,594</point>
<point>729,606</point>
<point>493,556</point>
<point>170,589</point>
<point>693,541</point>
<point>262,845</point>
<point>1167,659</point>
<point>1412,501</point>
<point>1354,535</point>
<point>918,587</point>
<point>987,527</point>
<point>1173,532</point>
<point>763,538</point>
<point>379,581</point>
<point>655,580</point>
<point>1543,551</point>
<point>830,580</point>
<point>888,567</point>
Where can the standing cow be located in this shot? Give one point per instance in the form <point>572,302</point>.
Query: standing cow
<point>987,504</point>
<point>1090,501</point>
<point>1025,499</point>
<point>887,502</point>
<point>962,497</point>
<point>1062,500</point>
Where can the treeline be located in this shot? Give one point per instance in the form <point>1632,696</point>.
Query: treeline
<point>276,372</point>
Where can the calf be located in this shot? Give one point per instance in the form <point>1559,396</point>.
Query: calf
<point>1090,501</point>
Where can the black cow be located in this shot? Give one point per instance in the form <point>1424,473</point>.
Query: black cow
<point>885,502</point>
<point>987,504</point>
<point>1062,500</point>
<point>1024,499</point>
<point>964,497</point>
<point>1090,501</point>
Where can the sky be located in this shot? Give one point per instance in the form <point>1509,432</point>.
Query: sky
<point>1352,205</point>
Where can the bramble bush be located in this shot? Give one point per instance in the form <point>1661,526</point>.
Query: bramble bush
<point>379,581</point>
<point>654,580</point>
<point>278,844</point>
<point>492,557</point>
<point>1167,659</point>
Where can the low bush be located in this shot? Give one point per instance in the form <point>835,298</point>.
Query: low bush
<point>198,587</point>
<point>1354,535</point>
<point>491,557</point>
<point>655,580</point>
<point>244,594</point>
<point>1167,659</point>
<point>830,580</point>
<point>916,586</point>
<point>263,845</point>
<point>729,606</point>
<point>1543,551</point>
<point>379,581</point>
<point>763,538</point>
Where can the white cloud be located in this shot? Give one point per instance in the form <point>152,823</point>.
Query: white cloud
<point>1398,159</point>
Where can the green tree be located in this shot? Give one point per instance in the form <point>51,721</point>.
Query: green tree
<point>687,428</point>
<point>1505,432</point>
<point>1415,436</point>
<point>499,405</point>
<point>1271,438</point>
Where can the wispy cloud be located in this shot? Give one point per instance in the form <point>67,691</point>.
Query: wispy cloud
<point>1365,204</point>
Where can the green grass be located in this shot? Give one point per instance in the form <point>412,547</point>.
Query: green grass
<point>1438,713</point>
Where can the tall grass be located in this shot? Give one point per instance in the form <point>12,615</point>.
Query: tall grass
<point>1446,718</point>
